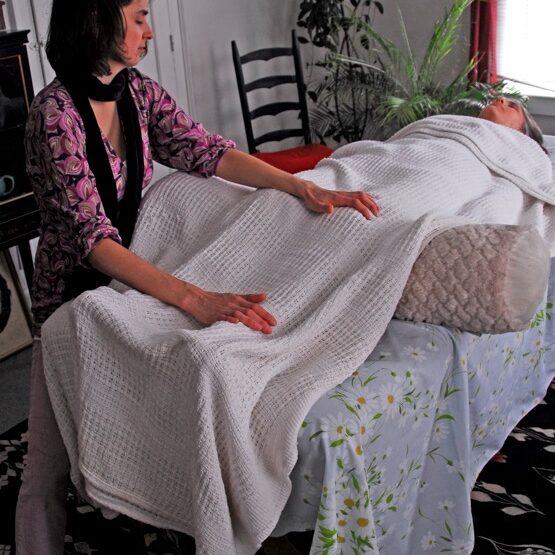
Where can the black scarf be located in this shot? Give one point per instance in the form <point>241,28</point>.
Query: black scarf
<point>122,214</point>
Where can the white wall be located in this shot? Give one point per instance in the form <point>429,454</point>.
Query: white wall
<point>210,26</point>
<point>9,16</point>
<point>543,110</point>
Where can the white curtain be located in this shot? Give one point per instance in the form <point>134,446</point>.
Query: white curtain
<point>526,41</point>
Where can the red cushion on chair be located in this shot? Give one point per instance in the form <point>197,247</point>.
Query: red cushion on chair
<point>296,159</point>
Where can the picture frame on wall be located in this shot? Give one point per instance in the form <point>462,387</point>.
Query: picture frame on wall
<point>15,321</point>
<point>2,18</point>
<point>15,98</point>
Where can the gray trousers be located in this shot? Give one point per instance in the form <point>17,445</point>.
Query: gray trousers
<point>40,518</point>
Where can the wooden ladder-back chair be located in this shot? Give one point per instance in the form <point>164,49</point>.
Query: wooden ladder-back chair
<point>292,160</point>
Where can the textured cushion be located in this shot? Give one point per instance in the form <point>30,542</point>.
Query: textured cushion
<point>296,159</point>
<point>480,278</point>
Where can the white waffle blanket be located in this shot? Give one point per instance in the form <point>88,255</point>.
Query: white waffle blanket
<point>195,428</point>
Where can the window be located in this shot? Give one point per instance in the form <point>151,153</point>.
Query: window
<point>525,44</point>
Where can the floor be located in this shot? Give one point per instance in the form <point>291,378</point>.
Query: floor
<point>15,374</point>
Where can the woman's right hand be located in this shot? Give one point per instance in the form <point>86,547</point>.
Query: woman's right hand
<point>209,307</point>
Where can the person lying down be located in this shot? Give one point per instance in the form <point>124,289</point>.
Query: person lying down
<point>194,428</point>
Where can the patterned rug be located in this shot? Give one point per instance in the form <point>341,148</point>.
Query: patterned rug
<point>513,503</point>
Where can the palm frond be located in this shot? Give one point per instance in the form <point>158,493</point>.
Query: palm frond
<point>373,69</point>
<point>460,83</point>
<point>404,111</point>
<point>321,119</point>
<point>393,53</point>
<point>463,107</point>
<point>411,68</point>
<point>344,85</point>
<point>443,38</point>
<point>346,107</point>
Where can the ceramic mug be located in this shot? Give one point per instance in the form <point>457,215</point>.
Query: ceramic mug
<point>7,185</point>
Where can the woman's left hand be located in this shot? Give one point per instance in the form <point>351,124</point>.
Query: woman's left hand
<point>325,201</point>
<point>243,168</point>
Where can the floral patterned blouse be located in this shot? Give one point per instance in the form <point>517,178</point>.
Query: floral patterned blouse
<point>72,215</point>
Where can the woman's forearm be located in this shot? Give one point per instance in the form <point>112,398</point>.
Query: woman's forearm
<point>207,307</point>
<point>119,263</point>
<point>245,169</point>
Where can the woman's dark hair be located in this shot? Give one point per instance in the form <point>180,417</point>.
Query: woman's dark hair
<point>85,34</point>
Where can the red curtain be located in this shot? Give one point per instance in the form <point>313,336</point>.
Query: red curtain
<point>483,31</point>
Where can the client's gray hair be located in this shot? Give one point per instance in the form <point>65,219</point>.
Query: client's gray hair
<point>531,127</point>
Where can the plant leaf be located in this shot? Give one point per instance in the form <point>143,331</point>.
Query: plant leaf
<point>443,38</point>
<point>480,496</point>
<point>495,488</point>
<point>513,511</point>
<point>523,499</point>
<point>411,69</point>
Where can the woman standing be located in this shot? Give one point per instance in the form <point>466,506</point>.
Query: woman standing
<point>92,135</point>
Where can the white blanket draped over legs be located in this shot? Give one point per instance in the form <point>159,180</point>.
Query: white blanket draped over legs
<point>194,428</point>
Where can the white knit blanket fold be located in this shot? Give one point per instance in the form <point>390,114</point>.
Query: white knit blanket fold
<point>194,428</point>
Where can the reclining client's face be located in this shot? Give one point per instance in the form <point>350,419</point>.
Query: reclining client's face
<point>513,114</point>
<point>505,112</point>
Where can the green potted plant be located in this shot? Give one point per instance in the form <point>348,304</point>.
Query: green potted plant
<point>399,87</point>
<point>344,98</point>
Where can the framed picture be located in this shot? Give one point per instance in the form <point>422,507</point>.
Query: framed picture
<point>15,98</point>
<point>2,19</point>
<point>15,321</point>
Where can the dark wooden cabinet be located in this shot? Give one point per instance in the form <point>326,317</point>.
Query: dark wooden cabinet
<point>19,215</point>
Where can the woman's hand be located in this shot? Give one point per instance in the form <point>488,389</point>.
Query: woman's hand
<point>322,200</point>
<point>246,169</point>
<point>208,307</point>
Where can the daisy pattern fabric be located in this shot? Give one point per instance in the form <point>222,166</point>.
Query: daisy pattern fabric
<point>388,458</point>
<point>195,428</point>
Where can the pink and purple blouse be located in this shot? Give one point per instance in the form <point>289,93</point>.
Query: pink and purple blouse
<point>72,215</point>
